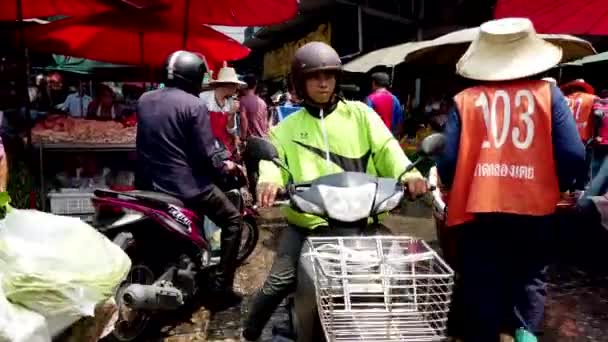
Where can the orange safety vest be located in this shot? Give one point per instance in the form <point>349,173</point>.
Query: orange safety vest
<point>581,105</point>
<point>505,159</point>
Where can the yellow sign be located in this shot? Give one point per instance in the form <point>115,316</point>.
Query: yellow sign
<point>277,63</point>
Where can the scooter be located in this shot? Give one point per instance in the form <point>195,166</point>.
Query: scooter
<point>341,306</point>
<point>169,250</point>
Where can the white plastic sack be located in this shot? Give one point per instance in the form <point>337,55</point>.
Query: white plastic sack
<point>58,266</point>
<point>601,204</point>
<point>18,324</point>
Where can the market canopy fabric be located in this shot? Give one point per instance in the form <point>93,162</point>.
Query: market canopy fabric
<point>81,66</point>
<point>600,57</point>
<point>47,8</point>
<point>129,37</point>
<point>447,49</point>
<point>388,57</point>
<point>564,16</point>
<point>226,12</point>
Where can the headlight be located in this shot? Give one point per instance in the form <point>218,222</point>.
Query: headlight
<point>348,204</point>
<point>390,203</point>
<point>306,206</point>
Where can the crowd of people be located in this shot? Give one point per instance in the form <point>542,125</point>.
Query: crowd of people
<point>49,94</point>
<point>514,143</point>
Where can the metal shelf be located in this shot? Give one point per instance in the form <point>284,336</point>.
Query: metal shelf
<point>77,147</point>
<point>73,147</point>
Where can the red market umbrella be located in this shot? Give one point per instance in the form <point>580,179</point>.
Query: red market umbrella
<point>226,12</point>
<point>564,16</point>
<point>46,8</point>
<point>127,37</point>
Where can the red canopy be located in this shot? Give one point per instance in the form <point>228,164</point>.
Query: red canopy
<point>564,16</point>
<point>226,12</point>
<point>47,8</point>
<point>126,37</point>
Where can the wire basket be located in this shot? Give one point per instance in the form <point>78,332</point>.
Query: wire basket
<point>381,288</point>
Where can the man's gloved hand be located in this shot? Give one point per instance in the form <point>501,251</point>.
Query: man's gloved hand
<point>267,193</point>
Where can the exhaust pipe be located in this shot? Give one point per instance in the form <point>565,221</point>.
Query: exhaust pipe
<point>151,297</point>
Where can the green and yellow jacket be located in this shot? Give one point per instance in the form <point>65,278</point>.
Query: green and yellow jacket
<point>351,138</point>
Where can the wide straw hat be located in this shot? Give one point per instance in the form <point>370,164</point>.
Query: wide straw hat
<point>507,49</point>
<point>227,75</point>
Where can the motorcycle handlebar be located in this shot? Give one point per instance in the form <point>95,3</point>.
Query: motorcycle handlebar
<point>282,197</point>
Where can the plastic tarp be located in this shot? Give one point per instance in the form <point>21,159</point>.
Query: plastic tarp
<point>58,267</point>
<point>83,66</point>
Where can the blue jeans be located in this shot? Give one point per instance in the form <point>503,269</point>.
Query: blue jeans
<point>597,160</point>
<point>598,185</point>
<point>504,259</point>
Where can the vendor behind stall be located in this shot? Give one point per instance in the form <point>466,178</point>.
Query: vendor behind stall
<point>77,103</point>
<point>102,107</point>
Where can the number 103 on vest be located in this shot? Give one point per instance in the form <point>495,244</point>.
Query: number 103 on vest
<point>497,116</point>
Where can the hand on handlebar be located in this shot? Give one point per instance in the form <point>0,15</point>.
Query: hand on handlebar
<point>230,165</point>
<point>267,194</point>
<point>416,187</point>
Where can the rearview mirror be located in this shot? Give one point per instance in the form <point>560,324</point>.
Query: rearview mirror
<point>432,146</point>
<point>261,149</point>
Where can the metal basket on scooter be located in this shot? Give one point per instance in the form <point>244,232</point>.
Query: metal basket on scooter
<point>385,288</point>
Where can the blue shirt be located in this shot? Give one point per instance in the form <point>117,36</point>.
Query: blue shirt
<point>568,150</point>
<point>286,110</point>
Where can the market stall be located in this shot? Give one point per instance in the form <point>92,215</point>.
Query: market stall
<point>70,183</point>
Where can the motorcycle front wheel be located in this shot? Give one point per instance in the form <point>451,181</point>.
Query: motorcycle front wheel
<point>249,238</point>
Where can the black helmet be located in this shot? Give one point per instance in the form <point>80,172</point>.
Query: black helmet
<point>313,57</point>
<point>185,70</point>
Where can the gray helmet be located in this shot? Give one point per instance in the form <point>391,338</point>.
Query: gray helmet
<point>313,57</point>
<point>185,70</point>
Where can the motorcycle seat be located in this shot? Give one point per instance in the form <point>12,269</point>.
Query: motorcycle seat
<point>157,196</point>
<point>142,195</point>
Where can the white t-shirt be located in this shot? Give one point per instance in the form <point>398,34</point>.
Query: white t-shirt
<point>208,98</point>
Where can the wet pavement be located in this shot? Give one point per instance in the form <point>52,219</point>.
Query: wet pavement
<point>577,305</point>
<point>577,308</point>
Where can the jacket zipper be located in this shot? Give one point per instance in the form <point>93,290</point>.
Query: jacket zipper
<point>327,158</point>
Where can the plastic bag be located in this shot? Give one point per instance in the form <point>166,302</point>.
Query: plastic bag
<point>601,204</point>
<point>18,324</point>
<point>522,335</point>
<point>213,233</point>
<point>58,266</point>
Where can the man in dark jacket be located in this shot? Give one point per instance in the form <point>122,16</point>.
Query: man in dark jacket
<point>178,155</point>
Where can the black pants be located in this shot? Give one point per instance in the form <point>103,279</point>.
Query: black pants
<point>502,283</point>
<point>279,284</point>
<point>252,166</point>
<point>214,204</point>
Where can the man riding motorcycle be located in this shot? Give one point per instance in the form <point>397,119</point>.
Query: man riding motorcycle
<point>179,155</point>
<point>329,135</point>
